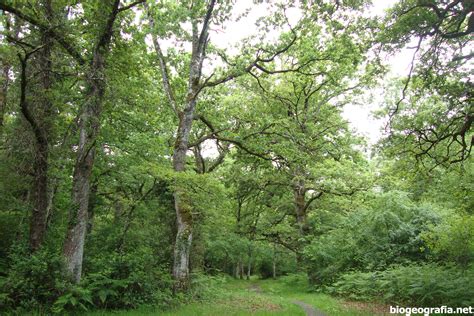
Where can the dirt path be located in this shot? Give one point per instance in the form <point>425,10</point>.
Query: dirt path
<point>309,310</point>
<point>256,288</point>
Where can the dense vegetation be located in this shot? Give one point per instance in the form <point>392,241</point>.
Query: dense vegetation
<point>144,156</point>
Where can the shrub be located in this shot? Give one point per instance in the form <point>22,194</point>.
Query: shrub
<point>453,240</point>
<point>417,285</point>
<point>388,233</point>
<point>33,281</point>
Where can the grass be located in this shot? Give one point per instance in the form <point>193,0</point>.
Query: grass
<point>256,297</point>
<point>295,288</point>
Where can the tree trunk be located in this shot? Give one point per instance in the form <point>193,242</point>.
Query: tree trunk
<point>299,200</point>
<point>249,268</point>
<point>38,221</point>
<point>89,126</point>
<point>274,274</point>
<point>39,121</point>
<point>236,271</point>
<point>91,207</point>
<point>4,91</point>
<point>40,200</point>
<point>183,208</point>
<point>5,83</point>
<point>274,262</point>
<point>301,217</point>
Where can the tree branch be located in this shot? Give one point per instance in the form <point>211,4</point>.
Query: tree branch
<point>131,5</point>
<point>73,51</point>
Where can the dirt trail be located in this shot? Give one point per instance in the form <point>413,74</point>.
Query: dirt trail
<point>256,288</point>
<point>309,310</point>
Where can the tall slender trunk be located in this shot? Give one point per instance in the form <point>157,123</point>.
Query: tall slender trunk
<point>249,267</point>
<point>5,72</point>
<point>38,220</point>
<point>274,262</point>
<point>39,119</point>
<point>183,207</point>
<point>89,126</point>
<point>3,92</point>
<point>182,204</point>
<point>274,274</point>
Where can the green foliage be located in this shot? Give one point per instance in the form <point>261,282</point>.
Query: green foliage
<point>372,239</point>
<point>76,298</point>
<point>453,240</point>
<point>421,285</point>
<point>33,281</point>
<point>205,287</point>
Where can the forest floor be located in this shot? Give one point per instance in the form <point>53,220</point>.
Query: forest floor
<point>264,297</point>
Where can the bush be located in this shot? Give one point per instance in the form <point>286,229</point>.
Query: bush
<point>388,233</point>
<point>101,291</point>
<point>205,287</point>
<point>128,280</point>
<point>453,240</point>
<point>33,281</point>
<point>417,285</point>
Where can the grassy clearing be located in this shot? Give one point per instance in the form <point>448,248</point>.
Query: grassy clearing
<point>258,297</point>
<point>295,288</point>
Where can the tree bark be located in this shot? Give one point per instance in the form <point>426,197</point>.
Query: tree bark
<point>4,91</point>
<point>6,72</point>
<point>300,209</point>
<point>38,221</point>
<point>89,126</point>
<point>183,208</point>
<point>274,262</point>
<point>249,266</point>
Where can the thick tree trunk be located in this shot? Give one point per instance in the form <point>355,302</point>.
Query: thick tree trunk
<point>301,217</point>
<point>91,208</point>
<point>300,209</point>
<point>89,126</point>
<point>89,129</point>
<point>38,218</point>
<point>183,208</point>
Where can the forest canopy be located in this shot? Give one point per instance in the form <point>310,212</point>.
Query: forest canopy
<point>150,148</point>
